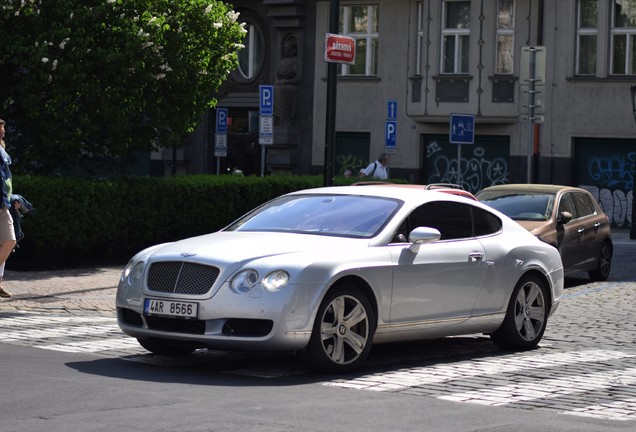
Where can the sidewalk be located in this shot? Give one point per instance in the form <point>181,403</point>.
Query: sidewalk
<point>92,290</point>
<point>75,291</point>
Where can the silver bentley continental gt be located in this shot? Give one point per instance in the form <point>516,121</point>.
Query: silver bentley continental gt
<point>328,272</point>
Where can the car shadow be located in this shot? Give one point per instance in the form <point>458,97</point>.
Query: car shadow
<point>281,369</point>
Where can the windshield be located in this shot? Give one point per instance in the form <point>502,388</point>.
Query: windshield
<point>337,215</point>
<point>520,206</point>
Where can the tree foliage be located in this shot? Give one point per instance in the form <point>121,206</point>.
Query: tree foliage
<point>103,79</point>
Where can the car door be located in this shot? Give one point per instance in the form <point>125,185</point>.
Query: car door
<point>569,234</point>
<point>591,238</point>
<point>444,278</point>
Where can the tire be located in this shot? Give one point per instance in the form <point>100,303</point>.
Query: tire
<point>526,317</point>
<point>165,348</point>
<point>343,331</point>
<point>604,265</point>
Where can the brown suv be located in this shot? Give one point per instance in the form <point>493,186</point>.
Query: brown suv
<point>568,218</point>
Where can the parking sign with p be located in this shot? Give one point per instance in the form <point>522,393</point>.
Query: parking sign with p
<point>266,97</point>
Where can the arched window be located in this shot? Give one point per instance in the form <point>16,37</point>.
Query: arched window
<point>251,57</point>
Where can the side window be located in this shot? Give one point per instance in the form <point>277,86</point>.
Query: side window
<point>567,205</point>
<point>583,204</point>
<point>453,220</point>
<point>485,223</point>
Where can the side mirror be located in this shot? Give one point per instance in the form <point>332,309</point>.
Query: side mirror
<point>421,235</point>
<point>564,217</point>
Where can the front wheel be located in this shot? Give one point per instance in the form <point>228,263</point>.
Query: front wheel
<point>604,264</point>
<point>343,331</point>
<point>526,317</point>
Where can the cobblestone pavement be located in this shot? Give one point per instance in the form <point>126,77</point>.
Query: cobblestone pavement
<point>585,366</point>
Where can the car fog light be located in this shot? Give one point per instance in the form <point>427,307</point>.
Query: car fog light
<point>276,280</point>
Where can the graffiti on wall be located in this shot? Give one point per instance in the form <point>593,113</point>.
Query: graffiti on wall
<point>610,178</point>
<point>350,162</point>
<point>478,169</point>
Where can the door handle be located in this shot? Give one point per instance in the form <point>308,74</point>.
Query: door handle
<point>475,256</point>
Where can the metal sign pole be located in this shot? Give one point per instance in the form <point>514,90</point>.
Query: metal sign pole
<point>531,93</point>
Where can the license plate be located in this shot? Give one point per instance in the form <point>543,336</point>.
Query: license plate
<point>170,308</point>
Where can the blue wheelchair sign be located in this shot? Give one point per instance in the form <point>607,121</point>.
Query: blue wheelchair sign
<point>462,129</point>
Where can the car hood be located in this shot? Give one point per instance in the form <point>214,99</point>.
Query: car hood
<point>234,246</point>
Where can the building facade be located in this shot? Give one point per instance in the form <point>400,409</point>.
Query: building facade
<point>547,81</point>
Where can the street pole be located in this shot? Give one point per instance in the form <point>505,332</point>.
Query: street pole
<point>332,82</point>
<point>632,228</point>
<point>531,106</point>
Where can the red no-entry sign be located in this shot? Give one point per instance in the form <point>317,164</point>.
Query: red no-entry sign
<point>340,49</point>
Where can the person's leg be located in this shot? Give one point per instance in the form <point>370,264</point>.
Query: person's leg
<point>7,243</point>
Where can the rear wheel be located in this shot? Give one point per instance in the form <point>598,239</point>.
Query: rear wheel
<point>526,318</point>
<point>343,331</point>
<point>165,348</point>
<point>604,265</point>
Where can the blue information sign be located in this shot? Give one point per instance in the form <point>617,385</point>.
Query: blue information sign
<point>391,109</point>
<point>266,93</point>
<point>390,134</point>
<point>221,120</point>
<point>462,129</point>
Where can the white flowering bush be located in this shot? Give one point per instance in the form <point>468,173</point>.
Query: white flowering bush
<point>106,78</point>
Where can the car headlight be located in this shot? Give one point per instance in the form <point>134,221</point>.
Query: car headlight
<point>276,280</point>
<point>244,281</point>
<point>133,272</point>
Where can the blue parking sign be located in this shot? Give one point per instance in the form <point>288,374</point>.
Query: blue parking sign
<point>221,120</point>
<point>390,134</point>
<point>266,97</point>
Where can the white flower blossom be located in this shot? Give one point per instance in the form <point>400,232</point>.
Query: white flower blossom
<point>239,46</point>
<point>165,67</point>
<point>147,44</point>
<point>71,15</point>
<point>153,19</point>
<point>217,25</point>
<point>54,64</point>
<point>233,16</point>
<point>160,76</point>
<point>110,1</point>
<point>208,9</point>
<point>45,60</point>
<point>242,28</point>
<point>64,42</point>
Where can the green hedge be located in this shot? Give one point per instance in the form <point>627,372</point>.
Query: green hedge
<point>81,222</point>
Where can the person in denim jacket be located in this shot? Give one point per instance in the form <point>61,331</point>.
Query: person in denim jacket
<point>7,232</point>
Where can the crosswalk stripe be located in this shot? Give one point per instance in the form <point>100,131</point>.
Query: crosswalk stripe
<point>418,376</point>
<point>93,346</point>
<point>545,388</point>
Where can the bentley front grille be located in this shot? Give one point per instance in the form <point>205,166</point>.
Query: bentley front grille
<point>181,277</point>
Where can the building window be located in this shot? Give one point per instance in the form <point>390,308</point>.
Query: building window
<point>505,37</point>
<point>455,36</point>
<point>586,35</point>
<point>420,38</point>
<point>361,22</point>
<point>251,57</point>
<point>623,53</point>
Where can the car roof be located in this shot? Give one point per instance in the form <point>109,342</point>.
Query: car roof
<point>449,188</point>
<point>410,193</point>
<point>532,188</point>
